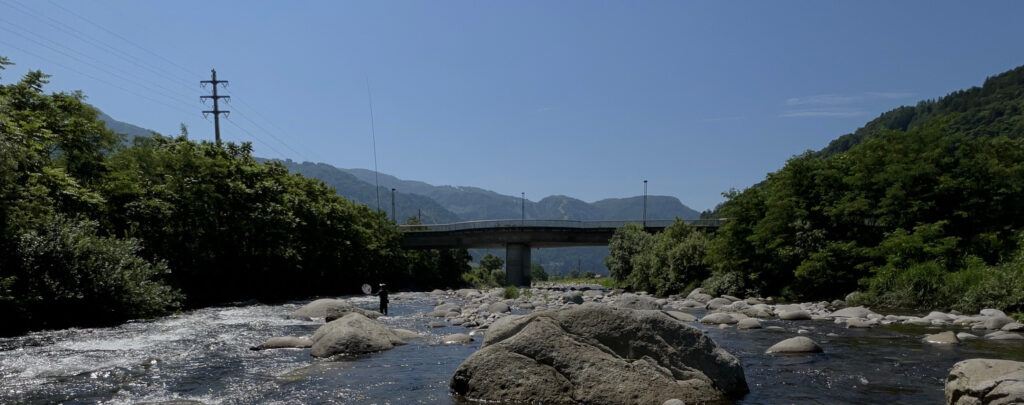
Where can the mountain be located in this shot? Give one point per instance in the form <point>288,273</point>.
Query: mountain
<point>123,128</point>
<point>348,186</point>
<point>472,203</point>
<point>993,109</point>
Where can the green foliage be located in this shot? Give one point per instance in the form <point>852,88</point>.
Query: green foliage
<point>93,230</point>
<point>626,243</point>
<point>491,262</point>
<point>510,293</point>
<point>729,283</point>
<point>537,273</point>
<point>664,263</point>
<point>68,275</point>
<point>484,278</point>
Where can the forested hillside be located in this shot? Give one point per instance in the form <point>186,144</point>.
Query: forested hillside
<point>993,109</point>
<point>923,207</point>
<point>93,231</point>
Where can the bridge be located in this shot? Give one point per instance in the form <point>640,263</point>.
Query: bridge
<point>519,236</point>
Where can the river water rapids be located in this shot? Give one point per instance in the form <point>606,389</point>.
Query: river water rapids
<point>204,356</point>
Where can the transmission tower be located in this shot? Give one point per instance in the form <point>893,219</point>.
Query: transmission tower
<point>216,111</point>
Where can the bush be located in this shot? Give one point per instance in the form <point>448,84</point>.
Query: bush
<point>725,283</point>
<point>68,275</point>
<point>510,293</point>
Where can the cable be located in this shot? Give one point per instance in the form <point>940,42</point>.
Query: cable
<point>94,77</point>
<point>171,62</point>
<point>100,68</point>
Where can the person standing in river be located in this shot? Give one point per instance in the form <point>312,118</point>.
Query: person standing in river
<point>383,293</point>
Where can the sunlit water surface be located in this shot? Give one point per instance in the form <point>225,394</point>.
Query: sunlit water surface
<point>204,356</point>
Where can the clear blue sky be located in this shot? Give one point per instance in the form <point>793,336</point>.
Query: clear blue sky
<point>584,98</point>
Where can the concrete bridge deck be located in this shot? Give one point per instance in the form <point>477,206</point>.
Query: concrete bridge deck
<point>519,236</point>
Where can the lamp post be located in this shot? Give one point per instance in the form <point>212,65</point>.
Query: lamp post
<point>522,199</point>
<point>393,213</point>
<point>645,203</point>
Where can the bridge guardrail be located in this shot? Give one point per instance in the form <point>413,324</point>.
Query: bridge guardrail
<point>551,223</point>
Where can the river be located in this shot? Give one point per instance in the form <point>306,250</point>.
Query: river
<point>204,356</point>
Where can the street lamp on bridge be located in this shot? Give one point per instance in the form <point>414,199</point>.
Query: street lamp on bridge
<point>523,200</point>
<point>645,204</point>
<point>394,215</point>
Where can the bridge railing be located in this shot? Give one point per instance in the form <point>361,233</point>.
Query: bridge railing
<point>551,223</point>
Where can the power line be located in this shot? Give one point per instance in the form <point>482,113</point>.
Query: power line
<point>87,38</point>
<point>83,61</point>
<point>133,59</point>
<point>94,77</point>
<point>171,62</point>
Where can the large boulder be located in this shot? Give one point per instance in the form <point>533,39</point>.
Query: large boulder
<point>633,301</point>
<point>852,312</point>
<point>353,334</point>
<point>799,344</point>
<point>985,381</point>
<point>594,353</point>
<point>323,307</point>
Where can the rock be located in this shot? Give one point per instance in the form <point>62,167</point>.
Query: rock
<point>594,353</point>
<point>674,401</point>
<point>335,313</point>
<point>799,344</point>
<point>467,293</point>
<point>688,303</point>
<point>682,316</point>
<point>406,334</point>
<point>1003,335</point>
<point>947,337</point>
<point>992,312</point>
<point>352,334</point>
<point>437,292</point>
<point>572,297</point>
<point>718,318</point>
<point>966,336</point>
<point>852,312</point>
<point>447,307</point>
<point>985,381</point>
<point>803,332</point>
<point>799,315</point>
<point>749,323</point>
<point>457,338</point>
<point>918,322</point>
<point>285,342</point>
<point>436,324</point>
<point>730,298</point>
<point>997,322</point>
<point>857,323</point>
<point>527,306</point>
<point>498,308</point>
<point>633,301</point>
<point>322,307</point>
<point>1013,327</point>
<point>717,303</point>
<point>940,316</point>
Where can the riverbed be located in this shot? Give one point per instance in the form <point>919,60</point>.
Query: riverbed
<point>204,356</point>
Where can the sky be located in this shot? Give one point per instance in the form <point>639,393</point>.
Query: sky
<point>578,98</point>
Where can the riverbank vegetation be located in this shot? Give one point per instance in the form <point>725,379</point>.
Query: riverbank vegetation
<point>95,231</point>
<point>923,209</point>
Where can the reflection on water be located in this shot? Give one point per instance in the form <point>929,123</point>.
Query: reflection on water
<point>204,356</point>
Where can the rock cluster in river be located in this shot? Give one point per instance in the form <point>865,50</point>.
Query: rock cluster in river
<point>594,353</point>
<point>985,381</point>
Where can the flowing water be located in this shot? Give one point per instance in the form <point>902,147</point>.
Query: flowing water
<point>204,356</point>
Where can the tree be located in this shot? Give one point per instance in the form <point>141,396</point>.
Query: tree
<point>627,242</point>
<point>537,273</point>
<point>491,262</point>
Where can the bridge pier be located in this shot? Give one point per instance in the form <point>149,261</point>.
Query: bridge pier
<point>517,264</point>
